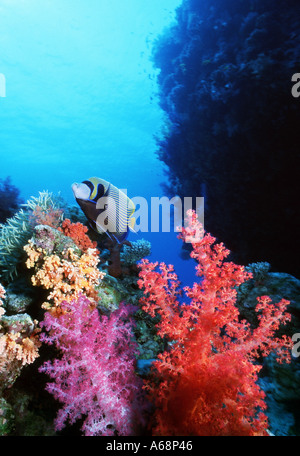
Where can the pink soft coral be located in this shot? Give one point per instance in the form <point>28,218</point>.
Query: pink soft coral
<point>95,377</point>
<point>205,383</point>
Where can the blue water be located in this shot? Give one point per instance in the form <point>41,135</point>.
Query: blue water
<point>81,99</point>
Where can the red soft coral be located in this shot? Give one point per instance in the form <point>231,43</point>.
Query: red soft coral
<point>77,232</point>
<point>205,383</point>
<point>95,378</point>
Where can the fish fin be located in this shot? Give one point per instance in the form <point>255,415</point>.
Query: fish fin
<point>92,225</point>
<point>114,237</point>
<point>131,224</point>
<point>119,238</point>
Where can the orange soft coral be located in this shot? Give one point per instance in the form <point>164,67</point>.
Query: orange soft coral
<point>66,277</point>
<point>22,349</point>
<point>77,232</point>
<point>16,348</point>
<point>15,352</point>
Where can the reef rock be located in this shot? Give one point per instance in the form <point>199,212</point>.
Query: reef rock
<point>53,241</point>
<point>281,382</point>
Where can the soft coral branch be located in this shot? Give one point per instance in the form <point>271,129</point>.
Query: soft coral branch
<point>205,383</point>
<point>95,377</point>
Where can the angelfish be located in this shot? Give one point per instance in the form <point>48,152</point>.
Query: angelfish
<point>107,208</point>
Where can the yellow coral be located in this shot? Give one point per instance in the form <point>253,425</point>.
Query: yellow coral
<point>16,350</point>
<point>24,350</point>
<point>34,254</point>
<point>30,347</point>
<point>66,277</point>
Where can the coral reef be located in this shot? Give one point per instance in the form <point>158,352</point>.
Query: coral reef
<point>120,260</point>
<point>18,297</point>
<point>274,284</point>
<point>61,258</point>
<point>205,382</point>
<point>77,232</point>
<point>19,344</point>
<point>198,361</point>
<point>6,417</point>
<point>17,230</point>
<point>113,290</point>
<point>133,253</point>
<point>280,382</point>
<point>231,133</point>
<point>13,236</point>
<point>60,266</point>
<point>89,381</point>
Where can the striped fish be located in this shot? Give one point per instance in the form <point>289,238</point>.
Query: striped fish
<point>107,208</point>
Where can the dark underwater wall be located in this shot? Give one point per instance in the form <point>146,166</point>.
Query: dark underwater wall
<point>233,127</point>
